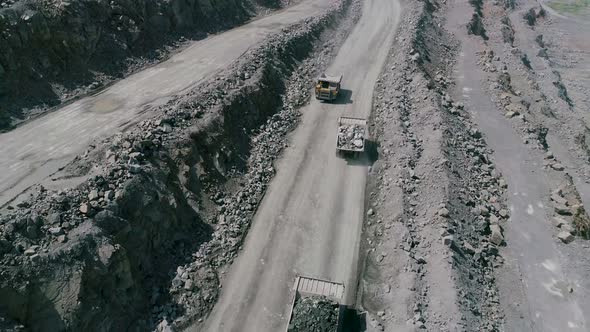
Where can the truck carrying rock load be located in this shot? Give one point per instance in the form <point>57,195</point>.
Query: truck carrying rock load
<point>316,306</point>
<point>352,135</point>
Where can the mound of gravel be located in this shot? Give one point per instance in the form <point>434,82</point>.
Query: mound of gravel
<point>351,137</point>
<point>314,314</point>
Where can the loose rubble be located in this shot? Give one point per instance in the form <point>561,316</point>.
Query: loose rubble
<point>443,229</point>
<point>351,137</point>
<point>172,198</point>
<point>314,313</point>
<point>570,216</point>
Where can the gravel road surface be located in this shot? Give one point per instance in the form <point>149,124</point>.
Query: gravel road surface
<point>310,220</point>
<point>35,150</point>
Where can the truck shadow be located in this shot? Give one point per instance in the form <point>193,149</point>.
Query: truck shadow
<point>367,158</point>
<point>344,97</point>
<point>352,320</point>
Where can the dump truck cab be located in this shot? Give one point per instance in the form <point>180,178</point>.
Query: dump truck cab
<point>328,87</point>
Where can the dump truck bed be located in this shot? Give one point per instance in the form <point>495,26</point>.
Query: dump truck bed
<point>352,134</point>
<point>330,79</point>
<point>314,287</point>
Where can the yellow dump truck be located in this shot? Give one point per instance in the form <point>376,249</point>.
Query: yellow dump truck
<point>328,87</point>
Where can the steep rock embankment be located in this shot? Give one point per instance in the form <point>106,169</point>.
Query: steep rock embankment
<point>54,50</point>
<point>144,239</point>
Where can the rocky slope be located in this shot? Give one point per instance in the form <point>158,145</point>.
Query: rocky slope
<point>167,204</point>
<point>436,202</point>
<point>55,50</point>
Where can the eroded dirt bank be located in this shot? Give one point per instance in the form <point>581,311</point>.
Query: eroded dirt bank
<point>167,204</point>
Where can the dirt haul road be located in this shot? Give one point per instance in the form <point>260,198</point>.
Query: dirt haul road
<point>310,219</point>
<point>32,152</point>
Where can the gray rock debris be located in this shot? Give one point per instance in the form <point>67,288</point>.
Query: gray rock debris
<point>496,236</point>
<point>565,237</point>
<point>314,313</point>
<point>351,137</point>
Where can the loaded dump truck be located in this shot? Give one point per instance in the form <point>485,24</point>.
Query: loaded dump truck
<point>328,87</point>
<point>316,306</point>
<point>352,136</point>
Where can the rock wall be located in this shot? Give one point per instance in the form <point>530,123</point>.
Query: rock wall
<point>53,47</point>
<point>142,242</point>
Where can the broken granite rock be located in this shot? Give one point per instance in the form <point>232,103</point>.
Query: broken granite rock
<point>496,236</point>
<point>565,237</point>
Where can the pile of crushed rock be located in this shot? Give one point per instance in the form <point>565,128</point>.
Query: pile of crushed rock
<point>314,314</point>
<point>351,137</point>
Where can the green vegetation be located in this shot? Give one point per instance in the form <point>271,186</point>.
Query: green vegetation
<point>582,223</point>
<point>570,7</point>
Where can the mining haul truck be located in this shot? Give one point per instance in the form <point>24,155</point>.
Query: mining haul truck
<point>328,87</point>
<point>316,306</point>
<point>352,136</point>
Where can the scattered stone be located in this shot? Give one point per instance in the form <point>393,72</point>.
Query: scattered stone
<point>55,231</point>
<point>370,212</point>
<point>558,222</point>
<point>494,220</point>
<point>163,326</point>
<point>558,199</point>
<point>84,208</point>
<point>109,195</point>
<point>567,228</point>
<point>36,258</point>
<point>31,250</point>
<point>504,213</point>
<point>93,195</point>
<point>562,210</point>
<point>496,236</point>
<point>387,289</point>
<point>443,212</point>
<point>134,169</point>
<point>188,285</point>
<point>557,167</point>
<point>448,240</point>
<point>565,237</point>
<point>468,248</point>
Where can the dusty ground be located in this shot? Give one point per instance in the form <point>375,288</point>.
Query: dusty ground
<point>162,207</point>
<point>526,90</point>
<point>435,199</point>
<point>49,144</point>
<point>53,52</point>
<point>310,220</point>
<point>466,213</point>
